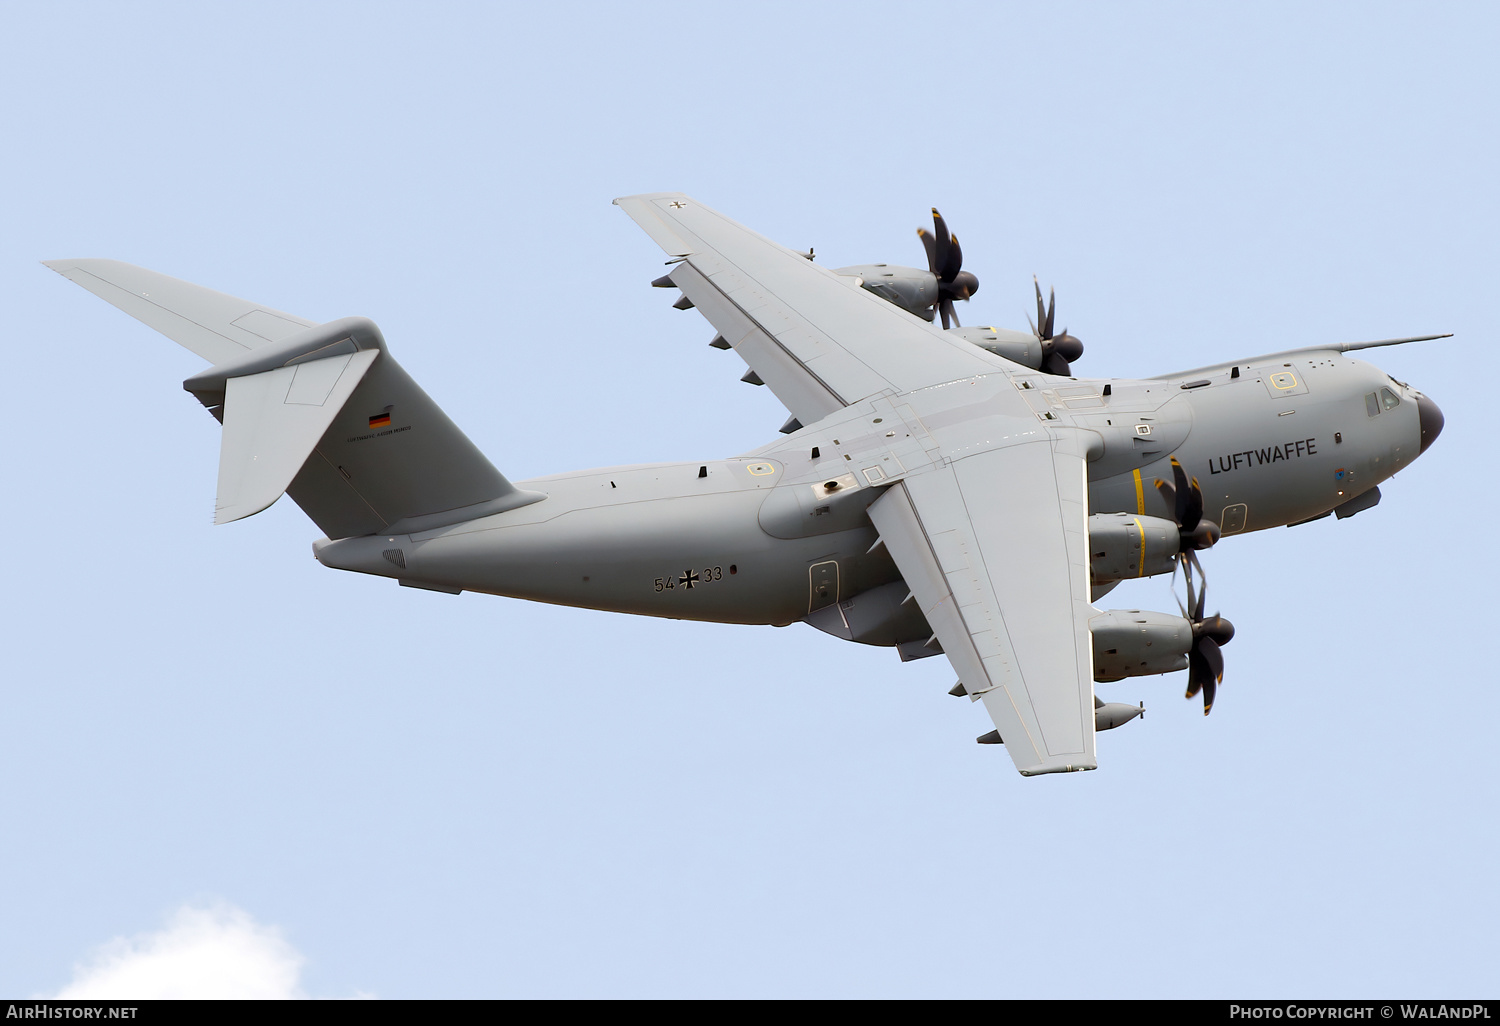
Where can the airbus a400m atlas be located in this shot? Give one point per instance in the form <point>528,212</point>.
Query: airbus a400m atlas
<point>953,491</point>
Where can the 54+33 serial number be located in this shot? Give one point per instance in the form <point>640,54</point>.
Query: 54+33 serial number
<point>691,579</point>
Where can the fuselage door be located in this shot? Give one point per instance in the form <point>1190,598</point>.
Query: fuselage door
<point>823,584</point>
<point>1232,519</point>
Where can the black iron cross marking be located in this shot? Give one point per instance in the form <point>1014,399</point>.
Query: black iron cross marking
<point>677,204</point>
<point>688,578</point>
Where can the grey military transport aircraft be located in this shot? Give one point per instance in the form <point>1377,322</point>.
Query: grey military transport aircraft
<point>956,492</point>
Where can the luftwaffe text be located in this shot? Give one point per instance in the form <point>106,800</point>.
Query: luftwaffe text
<point>1257,457</point>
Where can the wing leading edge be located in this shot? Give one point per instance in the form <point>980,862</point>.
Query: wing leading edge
<point>817,340</point>
<point>994,547</point>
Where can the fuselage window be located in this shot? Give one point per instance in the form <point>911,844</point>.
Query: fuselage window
<point>1389,398</point>
<point>1372,404</point>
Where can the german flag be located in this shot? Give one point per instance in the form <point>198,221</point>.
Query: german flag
<point>380,420</point>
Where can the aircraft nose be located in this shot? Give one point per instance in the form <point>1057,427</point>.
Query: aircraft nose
<point>1431,419</point>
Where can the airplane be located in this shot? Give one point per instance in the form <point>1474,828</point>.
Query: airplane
<point>937,490</point>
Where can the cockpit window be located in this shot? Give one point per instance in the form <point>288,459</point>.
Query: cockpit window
<point>1372,404</point>
<point>1390,400</point>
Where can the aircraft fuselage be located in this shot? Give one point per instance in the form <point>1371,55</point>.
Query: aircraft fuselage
<point>775,535</point>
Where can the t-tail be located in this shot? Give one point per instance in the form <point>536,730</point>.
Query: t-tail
<point>322,412</point>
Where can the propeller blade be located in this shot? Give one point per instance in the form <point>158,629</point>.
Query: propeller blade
<point>955,260</point>
<point>1192,596</point>
<point>941,242</point>
<point>1205,661</point>
<point>1197,673</point>
<point>1192,557</point>
<point>1189,507</point>
<point>1205,672</point>
<point>931,247</point>
<point>1051,309</point>
<point>1181,608</point>
<point>1180,507</point>
<point>1041,312</point>
<point>1167,492</point>
<point>1055,364</point>
<point>1213,659</point>
<point>945,308</point>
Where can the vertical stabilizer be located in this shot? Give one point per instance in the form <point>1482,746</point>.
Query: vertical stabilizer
<point>320,411</point>
<point>272,422</point>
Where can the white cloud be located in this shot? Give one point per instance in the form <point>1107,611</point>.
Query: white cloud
<point>214,952</point>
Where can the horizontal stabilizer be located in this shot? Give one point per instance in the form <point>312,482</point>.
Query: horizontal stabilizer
<point>273,421</point>
<point>215,326</point>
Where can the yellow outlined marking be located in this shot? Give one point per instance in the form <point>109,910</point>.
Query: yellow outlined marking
<point>1141,529</point>
<point>1140,494</point>
<point>761,469</point>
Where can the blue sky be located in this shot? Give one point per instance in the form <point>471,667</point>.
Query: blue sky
<point>420,795</point>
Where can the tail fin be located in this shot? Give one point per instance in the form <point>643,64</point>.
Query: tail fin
<point>320,412</point>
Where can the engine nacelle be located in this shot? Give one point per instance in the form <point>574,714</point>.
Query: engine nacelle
<point>913,290</point>
<point>1138,643</point>
<point>1020,347</point>
<point>1124,545</point>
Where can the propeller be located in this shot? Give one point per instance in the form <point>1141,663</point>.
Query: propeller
<point>945,260</point>
<point>1186,500</point>
<point>1205,660</point>
<point>1057,350</point>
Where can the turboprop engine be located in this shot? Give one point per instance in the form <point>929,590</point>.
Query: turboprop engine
<point>924,293</point>
<point>1042,348</point>
<point>1123,545</point>
<point>1138,643</point>
<point>913,290</point>
<point>1021,347</point>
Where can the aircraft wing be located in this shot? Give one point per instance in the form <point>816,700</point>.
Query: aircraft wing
<point>818,340</point>
<point>994,547</point>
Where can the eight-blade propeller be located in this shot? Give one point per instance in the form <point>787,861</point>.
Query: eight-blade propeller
<point>1205,661</point>
<point>1186,500</point>
<point>1057,351</point>
<point>945,260</point>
